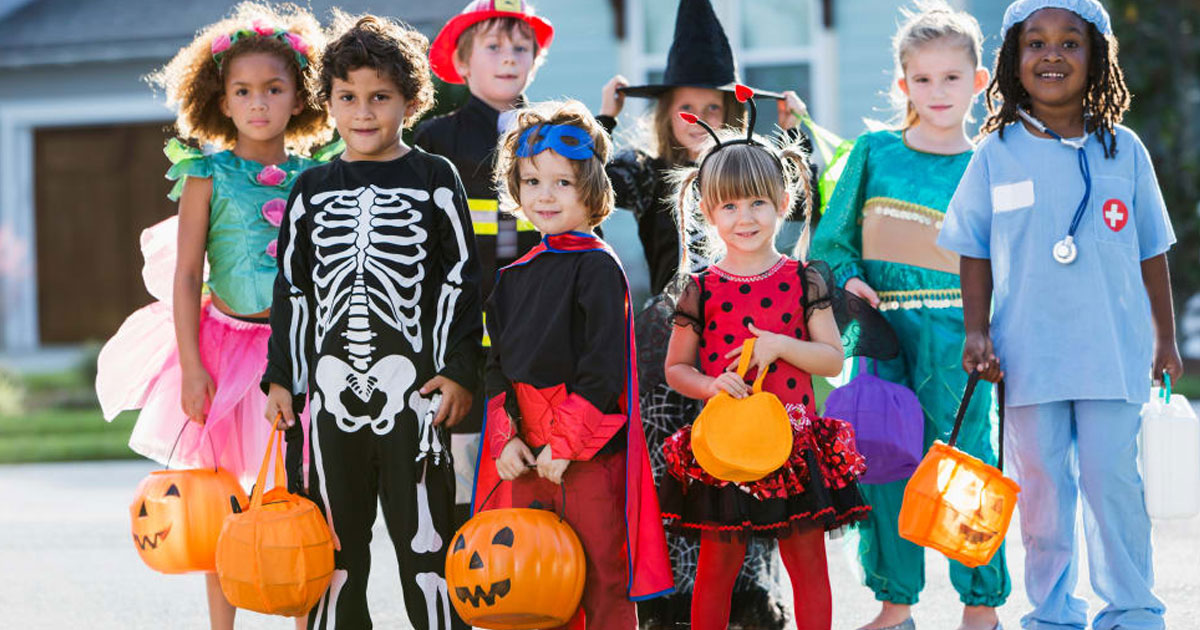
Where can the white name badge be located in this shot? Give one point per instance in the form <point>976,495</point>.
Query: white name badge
<point>1009,197</point>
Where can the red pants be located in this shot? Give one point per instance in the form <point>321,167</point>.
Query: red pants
<point>595,509</point>
<point>804,557</point>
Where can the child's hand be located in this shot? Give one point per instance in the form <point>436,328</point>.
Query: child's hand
<point>857,286</point>
<point>1166,359</point>
<point>612,101</point>
<point>978,356</point>
<point>730,383</point>
<point>768,347</point>
<point>791,109</point>
<point>456,400</point>
<point>551,469</point>
<point>196,393</point>
<point>279,407</point>
<point>514,460</point>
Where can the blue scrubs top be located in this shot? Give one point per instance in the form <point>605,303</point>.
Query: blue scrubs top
<point>1064,332</point>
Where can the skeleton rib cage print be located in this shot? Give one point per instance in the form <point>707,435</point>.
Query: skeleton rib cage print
<point>376,278</point>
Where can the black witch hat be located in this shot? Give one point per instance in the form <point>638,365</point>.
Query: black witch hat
<point>699,57</point>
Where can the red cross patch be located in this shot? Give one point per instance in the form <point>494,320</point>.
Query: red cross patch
<point>1115,214</point>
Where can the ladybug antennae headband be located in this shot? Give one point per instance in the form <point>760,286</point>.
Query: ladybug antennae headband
<point>744,95</point>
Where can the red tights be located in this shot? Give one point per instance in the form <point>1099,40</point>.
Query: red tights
<point>804,557</point>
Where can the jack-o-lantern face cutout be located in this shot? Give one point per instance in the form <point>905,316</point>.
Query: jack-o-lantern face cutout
<point>958,505</point>
<point>515,569</point>
<point>151,540</point>
<point>176,517</point>
<point>504,537</point>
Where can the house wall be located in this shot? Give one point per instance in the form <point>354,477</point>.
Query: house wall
<point>585,52</point>
<point>52,96</point>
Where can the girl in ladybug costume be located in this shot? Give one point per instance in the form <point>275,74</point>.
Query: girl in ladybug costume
<point>745,189</point>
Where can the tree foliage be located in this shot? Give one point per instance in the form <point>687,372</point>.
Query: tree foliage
<point>1160,54</point>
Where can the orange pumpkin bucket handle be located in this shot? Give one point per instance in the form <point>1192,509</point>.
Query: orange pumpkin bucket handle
<point>561,517</point>
<point>211,448</point>
<point>744,364</point>
<point>274,445</point>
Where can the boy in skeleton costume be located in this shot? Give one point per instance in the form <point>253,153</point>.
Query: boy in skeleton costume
<point>561,392</point>
<point>377,319</point>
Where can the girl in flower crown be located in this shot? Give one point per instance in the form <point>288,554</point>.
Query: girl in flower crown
<point>752,291</point>
<point>192,360</point>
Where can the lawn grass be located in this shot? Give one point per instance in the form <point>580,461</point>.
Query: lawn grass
<point>1188,386</point>
<point>61,421</point>
<point>53,434</point>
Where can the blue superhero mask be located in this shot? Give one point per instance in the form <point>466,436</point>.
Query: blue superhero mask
<point>568,141</point>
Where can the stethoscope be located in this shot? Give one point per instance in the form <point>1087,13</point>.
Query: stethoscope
<point>1065,250</point>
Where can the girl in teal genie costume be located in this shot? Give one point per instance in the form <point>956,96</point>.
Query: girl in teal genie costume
<point>878,234</point>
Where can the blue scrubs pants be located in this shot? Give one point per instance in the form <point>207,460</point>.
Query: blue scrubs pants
<point>1058,449</point>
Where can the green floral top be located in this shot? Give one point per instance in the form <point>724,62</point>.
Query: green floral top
<point>248,203</point>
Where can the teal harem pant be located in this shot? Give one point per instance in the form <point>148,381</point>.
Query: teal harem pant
<point>930,329</point>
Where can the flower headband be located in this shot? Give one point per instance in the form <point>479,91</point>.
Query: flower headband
<point>568,141</point>
<point>223,42</point>
<point>744,95</point>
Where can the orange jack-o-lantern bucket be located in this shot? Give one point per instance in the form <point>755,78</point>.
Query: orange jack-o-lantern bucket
<point>277,557</point>
<point>176,516</point>
<point>515,569</point>
<point>746,439</point>
<point>957,504</point>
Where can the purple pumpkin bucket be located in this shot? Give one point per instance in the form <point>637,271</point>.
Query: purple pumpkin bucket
<point>889,426</point>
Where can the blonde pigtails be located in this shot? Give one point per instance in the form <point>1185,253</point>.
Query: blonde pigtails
<point>796,169</point>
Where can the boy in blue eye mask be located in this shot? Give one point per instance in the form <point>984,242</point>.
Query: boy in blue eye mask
<point>562,406</point>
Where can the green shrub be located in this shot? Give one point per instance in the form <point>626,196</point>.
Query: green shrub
<point>12,393</point>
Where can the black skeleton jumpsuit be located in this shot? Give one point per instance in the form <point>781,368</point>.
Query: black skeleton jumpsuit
<point>377,292</point>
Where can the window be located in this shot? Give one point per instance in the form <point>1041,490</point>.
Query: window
<point>777,44</point>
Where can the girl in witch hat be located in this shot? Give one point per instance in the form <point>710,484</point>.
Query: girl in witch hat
<point>700,77</point>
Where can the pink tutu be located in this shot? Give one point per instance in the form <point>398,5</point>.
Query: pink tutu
<point>139,369</point>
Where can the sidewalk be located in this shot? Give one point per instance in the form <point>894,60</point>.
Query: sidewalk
<point>66,561</point>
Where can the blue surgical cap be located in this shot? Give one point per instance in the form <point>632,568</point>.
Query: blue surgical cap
<point>1089,10</point>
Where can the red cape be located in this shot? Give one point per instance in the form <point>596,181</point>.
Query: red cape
<point>650,568</point>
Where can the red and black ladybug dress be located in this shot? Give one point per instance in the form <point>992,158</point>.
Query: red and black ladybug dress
<point>817,486</point>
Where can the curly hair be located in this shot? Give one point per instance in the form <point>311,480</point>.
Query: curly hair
<point>194,82</point>
<point>737,171</point>
<point>595,189</point>
<point>1105,99</point>
<point>393,49</point>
